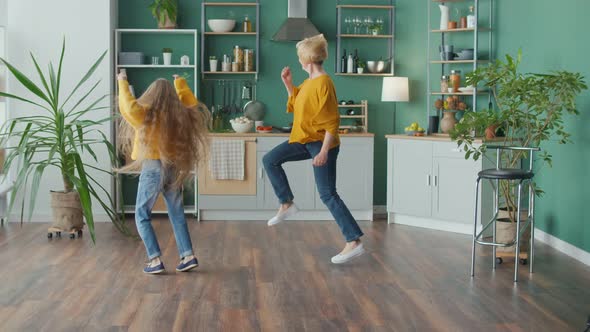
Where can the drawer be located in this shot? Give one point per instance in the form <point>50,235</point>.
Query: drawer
<point>448,150</point>
<point>268,143</point>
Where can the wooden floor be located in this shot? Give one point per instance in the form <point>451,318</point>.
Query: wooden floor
<point>256,278</point>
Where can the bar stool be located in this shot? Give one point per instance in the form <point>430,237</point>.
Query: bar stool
<point>494,175</point>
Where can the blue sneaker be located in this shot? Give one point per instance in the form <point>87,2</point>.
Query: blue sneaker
<point>187,266</point>
<point>154,269</point>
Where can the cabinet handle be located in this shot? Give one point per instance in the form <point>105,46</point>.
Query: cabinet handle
<point>428,180</point>
<point>436,181</point>
<point>260,173</point>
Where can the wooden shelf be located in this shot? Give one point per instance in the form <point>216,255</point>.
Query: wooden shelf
<point>458,61</point>
<point>460,30</point>
<point>356,105</point>
<point>155,66</point>
<point>365,6</point>
<point>458,93</point>
<point>364,74</point>
<point>229,72</point>
<point>449,0</point>
<point>230,33</point>
<point>352,116</point>
<point>226,4</point>
<point>366,36</point>
<point>163,31</point>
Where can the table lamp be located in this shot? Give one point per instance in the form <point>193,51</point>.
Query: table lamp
<point>395,89</point>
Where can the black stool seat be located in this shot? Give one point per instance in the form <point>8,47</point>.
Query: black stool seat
<point>506,174</point>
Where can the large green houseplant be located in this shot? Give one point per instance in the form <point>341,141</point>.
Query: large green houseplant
<point>165,12</point>
<point>530,110</point>
<point>58,137</point>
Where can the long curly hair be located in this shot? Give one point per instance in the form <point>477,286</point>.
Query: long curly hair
<point>179,132</point>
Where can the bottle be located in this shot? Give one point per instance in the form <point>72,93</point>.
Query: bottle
<point>350,64</point>
<point>355,61</point>
<point>239,58</point>
<point>471,18</point>
<point>455,80</point>
<point>247,24</point>
<point>343,62</point>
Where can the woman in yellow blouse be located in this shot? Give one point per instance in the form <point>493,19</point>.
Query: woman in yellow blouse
<point>314,136</point>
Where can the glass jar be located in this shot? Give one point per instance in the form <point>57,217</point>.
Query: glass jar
<point>248,60</point>
<point>444,84</point>
<point>455,80</point>
<point>239,57</point>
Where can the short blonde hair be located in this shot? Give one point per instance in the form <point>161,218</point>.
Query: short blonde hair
<point>313,49</point>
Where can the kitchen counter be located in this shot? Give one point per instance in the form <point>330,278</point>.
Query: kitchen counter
<point>440,138</point>
<point>281,135</point>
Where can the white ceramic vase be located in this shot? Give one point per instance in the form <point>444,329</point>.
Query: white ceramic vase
<point>444,17</point>
<point>167,58</point>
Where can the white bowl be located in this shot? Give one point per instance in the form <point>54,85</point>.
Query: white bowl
<point>244,127</point>
<point>219,25</point>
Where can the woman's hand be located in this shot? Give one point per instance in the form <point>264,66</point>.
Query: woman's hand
<point>286,76</point>
<point>122,76</point>
<point>320,159</point>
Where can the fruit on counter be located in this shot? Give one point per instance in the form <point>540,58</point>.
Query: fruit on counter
<point>461,106</point>
<point>414,127</point>
<point>438,104</point>
<point>264,128</point>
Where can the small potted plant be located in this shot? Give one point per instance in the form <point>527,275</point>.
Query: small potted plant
<point>360,66</point>
<point>375,29</point>
<point>213,63</point>
<point>167,55</point>
<point>165,12</point>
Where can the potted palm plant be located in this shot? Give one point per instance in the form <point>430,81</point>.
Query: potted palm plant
<point>59,136</point>
<point>165,12</point>
<point>530,110</point>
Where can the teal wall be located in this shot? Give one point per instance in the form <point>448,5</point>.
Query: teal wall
<point>552,36</point>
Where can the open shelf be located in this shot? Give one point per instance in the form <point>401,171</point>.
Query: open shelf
<point>365,36</point>
<point>230,72</point>
<point>458,93</point>
<point>352,116</point>
<point>460,30</point>
<point>457,61</point>
<point>155,66</point>
<point>365,6</point>
<point>449,0</point>
<point>230,33</point>
<point>363,74</point>
<point>166,31</point>
<point>230,4</point>
<point>349,106</point>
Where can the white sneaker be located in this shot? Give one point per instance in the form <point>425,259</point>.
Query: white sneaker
<point>282,216</point>
<point>343,258</point>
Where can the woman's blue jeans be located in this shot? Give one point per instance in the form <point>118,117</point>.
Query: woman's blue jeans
<point>150,185</point>
<point>325,179</point>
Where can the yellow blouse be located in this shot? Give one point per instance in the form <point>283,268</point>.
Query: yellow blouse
<point>135,113</point>
<point>315,111</point>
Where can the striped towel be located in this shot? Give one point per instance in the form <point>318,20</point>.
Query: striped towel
<point>227,159</point>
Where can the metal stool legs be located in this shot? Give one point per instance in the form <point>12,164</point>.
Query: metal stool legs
<point>474,227</point>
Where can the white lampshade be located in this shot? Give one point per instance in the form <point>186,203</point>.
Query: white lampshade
<point>395,89</point>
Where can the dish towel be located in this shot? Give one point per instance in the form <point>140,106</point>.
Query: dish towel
<point>227,159</point>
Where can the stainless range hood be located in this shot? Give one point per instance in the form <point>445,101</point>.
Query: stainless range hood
<point>297,26</point>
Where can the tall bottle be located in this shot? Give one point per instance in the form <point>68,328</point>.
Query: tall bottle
<point>350,64</point>
<point>471,18</point>
<point>343,62</point>
<point>247,25</point>
<point>356,61</point>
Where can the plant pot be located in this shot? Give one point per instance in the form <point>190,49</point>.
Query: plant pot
<point>167,59</point>
<point>503,214</point>
<point>374,32</point>
<point>506,233</point>
<point>212,65</point>
<point>360,70</point>
<point>491,132</point>
<point>448,122</point>
<point>167,24</point>
<point>66,210</point>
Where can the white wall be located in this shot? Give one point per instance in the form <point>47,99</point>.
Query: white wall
<point>40,26</point>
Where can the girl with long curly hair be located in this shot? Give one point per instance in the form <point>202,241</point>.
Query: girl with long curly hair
<point>165,131</point>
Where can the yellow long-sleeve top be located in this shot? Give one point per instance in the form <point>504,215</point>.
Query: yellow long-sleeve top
<point>315,111</point>
<point>135,113</point>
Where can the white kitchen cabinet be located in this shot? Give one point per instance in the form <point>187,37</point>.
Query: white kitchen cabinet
<point>354,184</point>
<point>430,184</point>
<point>354,174</point>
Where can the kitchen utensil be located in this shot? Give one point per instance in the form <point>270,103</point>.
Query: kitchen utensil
<point>377,66</point>
<point>218,25</point>
<point>247,91</point>
<point>283,129</point>
<point>255,110</point>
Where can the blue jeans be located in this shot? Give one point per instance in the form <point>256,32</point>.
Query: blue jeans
<point>150,185</point>
<point>325,179</point>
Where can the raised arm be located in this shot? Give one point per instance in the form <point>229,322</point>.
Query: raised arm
<point>184,92</point>
<point>130,109</point>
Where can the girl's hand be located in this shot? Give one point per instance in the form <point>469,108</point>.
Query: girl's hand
<point>175,76</point>
<point>286,76</point>
<point>122,76</point>
<point>320,159</point>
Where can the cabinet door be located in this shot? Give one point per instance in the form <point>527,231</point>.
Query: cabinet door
<point>354,174</point>
<point>411,176</point>
<point>454,190</point>
<point>300,176</point>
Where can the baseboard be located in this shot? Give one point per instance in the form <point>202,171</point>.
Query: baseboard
<point>440,225</point>
<point>359,215</point>
<point>379,211</point>
<point>562,246</point>
<point>47,218</point>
